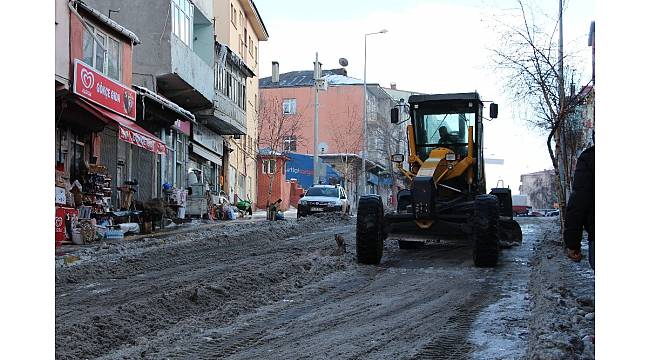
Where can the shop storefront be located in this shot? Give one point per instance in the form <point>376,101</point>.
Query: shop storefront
<point>98,143</point>
<point>206,156</point>
<point>172,124</point>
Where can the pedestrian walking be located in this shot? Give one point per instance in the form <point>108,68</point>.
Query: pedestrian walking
<point>580,208</point>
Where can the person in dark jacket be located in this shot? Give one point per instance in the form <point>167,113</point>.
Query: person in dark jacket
<point>580,208</point>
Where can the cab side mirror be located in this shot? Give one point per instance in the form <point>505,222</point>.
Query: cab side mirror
<point>494,111</point>
<point>397,158</point>
<point>394,115</point>
<point>302,195</point>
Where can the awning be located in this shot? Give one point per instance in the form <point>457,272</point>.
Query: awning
<point>129,131</point>
<point>160,100</point>
<point>206,154</point>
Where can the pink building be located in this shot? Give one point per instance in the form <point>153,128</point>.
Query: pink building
<point>270,169</point>
<point>290,100</point>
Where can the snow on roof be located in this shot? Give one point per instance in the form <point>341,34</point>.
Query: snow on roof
<point>336,79</point>
<point>164,101</point>
<point>353,155</point>
<point>266,151</point>
<point>306,78</point>
<point>109,22</point>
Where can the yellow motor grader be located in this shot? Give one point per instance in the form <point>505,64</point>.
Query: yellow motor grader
<point>447,190</point>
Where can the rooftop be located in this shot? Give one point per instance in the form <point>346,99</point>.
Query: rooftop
<point>306,78</point>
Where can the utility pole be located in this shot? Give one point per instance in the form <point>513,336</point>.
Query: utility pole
<point>561,116</point>
<point>317,76</point>
<point>364,178</point>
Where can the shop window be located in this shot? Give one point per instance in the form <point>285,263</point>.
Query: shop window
<point>232,173</point>
<point>242,187</point>
<point>289,106</point>
<point>180,160</point>
<point>268,166</point>
<point>290,143</point>
<point>183,20</point>
<point>77,164</point>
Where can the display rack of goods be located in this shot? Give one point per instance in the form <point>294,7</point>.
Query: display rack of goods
<point>97,189</point>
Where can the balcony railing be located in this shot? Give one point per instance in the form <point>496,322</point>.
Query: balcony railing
<point>228,111</point>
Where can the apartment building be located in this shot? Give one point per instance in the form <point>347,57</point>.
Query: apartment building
<point>239,28</point>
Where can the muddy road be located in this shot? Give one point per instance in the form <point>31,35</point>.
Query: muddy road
<point>277,290</point>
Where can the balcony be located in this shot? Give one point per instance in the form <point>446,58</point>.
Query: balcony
<point>191,80</point>
<point>226,118</point>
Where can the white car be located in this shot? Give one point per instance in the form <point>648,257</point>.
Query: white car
<point>324,198</point>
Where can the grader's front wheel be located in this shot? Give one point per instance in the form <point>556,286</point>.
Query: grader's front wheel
<point>370,230</point>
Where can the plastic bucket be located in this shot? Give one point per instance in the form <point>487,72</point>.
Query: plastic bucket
<point>76,238</point>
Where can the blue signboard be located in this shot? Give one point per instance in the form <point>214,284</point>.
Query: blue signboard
<point>373,179</point>
<point>301,168</point>
<point>386,180</point>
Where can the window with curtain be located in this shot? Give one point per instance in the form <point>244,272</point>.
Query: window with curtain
<point>109,62</point>
<point>113,64</point>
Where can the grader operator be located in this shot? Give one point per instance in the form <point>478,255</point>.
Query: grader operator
<point>447,188</point>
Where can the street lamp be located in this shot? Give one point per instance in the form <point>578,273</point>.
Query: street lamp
<point>365,112</point>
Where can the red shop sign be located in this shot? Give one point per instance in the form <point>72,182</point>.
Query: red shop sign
<point>95,87</point>
<point>142,141</point>
<point>182,126</point>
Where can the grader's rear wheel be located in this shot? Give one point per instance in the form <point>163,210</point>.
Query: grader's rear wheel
<point>370,230</point>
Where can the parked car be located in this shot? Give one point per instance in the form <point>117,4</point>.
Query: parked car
<point>553,213</point>
<point>323,198</point>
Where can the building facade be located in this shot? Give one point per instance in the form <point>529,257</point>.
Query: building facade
<point>340,130</point>
<point>106,128</point>
<point>239,28</point>
<point>540,189</point>
<point>182,59</point>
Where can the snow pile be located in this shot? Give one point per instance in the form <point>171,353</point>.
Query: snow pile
<point>563,308</point>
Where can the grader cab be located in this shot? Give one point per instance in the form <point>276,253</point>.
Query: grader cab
<point>447,191</point>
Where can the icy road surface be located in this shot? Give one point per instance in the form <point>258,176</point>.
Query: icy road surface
<point>260,290</point>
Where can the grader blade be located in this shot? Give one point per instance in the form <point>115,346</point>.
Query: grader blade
<point>509,232</point>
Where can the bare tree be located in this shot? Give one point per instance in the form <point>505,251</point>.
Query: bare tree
<point>528,54</point>
<point>348,139</point>
<point>274,127</point>
<point>388,138</point>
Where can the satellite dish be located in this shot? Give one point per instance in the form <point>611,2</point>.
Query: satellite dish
<point>343,62</point>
